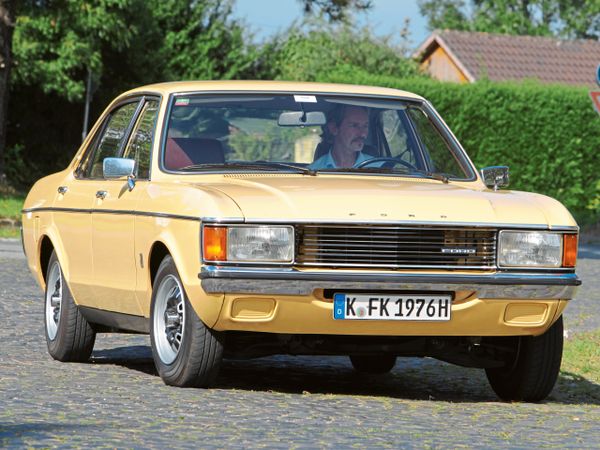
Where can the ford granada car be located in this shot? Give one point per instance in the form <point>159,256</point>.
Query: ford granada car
<point>244,219</point>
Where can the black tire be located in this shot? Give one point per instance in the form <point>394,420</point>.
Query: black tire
<point>531,373</point>
<point>186,352</point>
<point>376,364</point>
<point>69,335</point>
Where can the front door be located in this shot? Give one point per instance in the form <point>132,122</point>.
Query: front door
<point>113,219</point>
<point>113,242</point>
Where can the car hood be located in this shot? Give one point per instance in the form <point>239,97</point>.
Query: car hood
<point>383,199</point>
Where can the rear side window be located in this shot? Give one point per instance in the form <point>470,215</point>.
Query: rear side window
<point>111,140</point>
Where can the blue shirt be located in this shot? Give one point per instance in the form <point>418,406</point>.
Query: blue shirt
<point>327,162</point>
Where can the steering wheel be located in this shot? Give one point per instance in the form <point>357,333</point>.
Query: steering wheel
<point>388,162</point>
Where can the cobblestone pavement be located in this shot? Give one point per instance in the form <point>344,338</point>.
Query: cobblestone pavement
<point>117,399</point>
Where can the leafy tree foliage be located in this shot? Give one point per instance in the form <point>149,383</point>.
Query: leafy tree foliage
<point>563,18</point>
<point>335,10</point>
<point>304,54</point>
<point>201,41</point>
<point>55,42</point>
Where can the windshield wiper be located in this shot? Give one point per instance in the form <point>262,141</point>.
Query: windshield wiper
<point>360,170</point>
<point>252,165</point>
<point>300,169</point>
<point>435,175</point>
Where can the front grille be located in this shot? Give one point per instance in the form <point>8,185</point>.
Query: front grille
<point>395,247</point>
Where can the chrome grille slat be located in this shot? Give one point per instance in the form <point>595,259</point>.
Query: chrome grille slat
<point>379,242</point>
<point>388,252</point>
<point>394,247</point>
<point>413,247</point>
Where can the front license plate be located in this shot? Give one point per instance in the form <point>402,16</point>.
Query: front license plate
<point>391,307</point>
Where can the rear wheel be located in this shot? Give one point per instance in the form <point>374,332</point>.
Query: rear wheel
<point>373,363</point>
<point>68,334</point>
<point>186,352</point>
<point>532,369</point>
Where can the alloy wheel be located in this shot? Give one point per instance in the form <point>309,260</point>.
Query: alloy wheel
<point>53,300</point>
<point>169,319</point>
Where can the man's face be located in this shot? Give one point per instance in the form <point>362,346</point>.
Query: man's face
<point>350,135</point>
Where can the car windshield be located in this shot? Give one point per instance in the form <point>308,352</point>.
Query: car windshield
<point>307,133</point>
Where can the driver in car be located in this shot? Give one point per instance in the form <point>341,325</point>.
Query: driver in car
<point>348,127</point>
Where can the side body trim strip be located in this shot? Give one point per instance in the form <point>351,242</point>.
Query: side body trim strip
<point>112,211</point>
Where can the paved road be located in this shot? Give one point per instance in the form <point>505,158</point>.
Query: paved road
<point>117,400</point>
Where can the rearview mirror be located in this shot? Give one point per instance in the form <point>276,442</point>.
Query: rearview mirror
<point>495,177</point>
<point>301,119</point>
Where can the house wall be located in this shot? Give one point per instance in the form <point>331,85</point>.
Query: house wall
<point>439,65</point>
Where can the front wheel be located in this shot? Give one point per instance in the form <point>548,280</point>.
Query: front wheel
<point>186,352</point>
<point>532,368</point>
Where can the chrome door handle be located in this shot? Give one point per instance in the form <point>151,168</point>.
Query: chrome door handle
<point>101,195</point>
<point>62,190</point>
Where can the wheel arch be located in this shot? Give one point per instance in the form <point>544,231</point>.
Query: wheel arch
<point>187,263</point>
<point>48,242</point>
<point>46,249</point>
<point>158,251</point>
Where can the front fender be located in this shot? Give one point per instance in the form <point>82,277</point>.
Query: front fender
<point>181,238</point>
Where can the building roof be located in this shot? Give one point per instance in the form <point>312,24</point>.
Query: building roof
<point>499,57</point>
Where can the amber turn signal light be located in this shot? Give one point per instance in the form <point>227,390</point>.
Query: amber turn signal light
<point>569,250</point>
<point>215,244</point>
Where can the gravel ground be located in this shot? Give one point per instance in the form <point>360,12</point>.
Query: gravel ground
<point>117,400</point>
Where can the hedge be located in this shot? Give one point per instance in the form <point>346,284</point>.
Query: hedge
<point>548,135</point>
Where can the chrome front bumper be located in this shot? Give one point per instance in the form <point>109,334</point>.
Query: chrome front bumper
<point>281,281</point>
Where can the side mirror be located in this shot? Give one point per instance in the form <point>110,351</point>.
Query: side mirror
<point>301,119</point>
<point>119,168</point>
<point>495,177</point>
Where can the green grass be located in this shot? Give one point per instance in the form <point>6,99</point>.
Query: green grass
<point>581,356</point>
<point>10,232</point>
<point>10,206</point>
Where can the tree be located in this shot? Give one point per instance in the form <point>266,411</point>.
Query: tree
<point>56,42</point>
<point>7,21</point>
<point>562,18</point>
<point>319,48</point>
<point>335,10</point>
<point>125,43</point>
<point>202,41</point>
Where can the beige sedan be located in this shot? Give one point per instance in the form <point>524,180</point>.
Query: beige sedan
<point>243,219</point>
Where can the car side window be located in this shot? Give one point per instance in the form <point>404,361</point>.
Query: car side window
<point>111,139</point>
<point>140,143</point>
<point>434,145</point>
<point>396,136</point>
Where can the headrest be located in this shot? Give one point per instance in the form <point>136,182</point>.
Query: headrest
<point>182,152</point>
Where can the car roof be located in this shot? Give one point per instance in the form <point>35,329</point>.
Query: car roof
<point>270,86</point>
